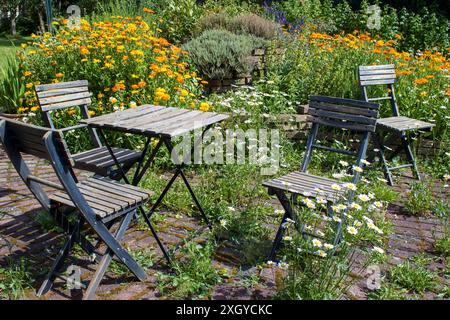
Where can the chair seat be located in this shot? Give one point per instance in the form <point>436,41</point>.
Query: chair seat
<point>99,159</point>
<point>305,184</point>
<point>105,196</point>
<point>403,124</point>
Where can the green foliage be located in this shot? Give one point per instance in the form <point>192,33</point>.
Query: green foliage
<point>420,30</point>
<point>413,275</point>
<point>178,17</point>
<point>247,24</point>
<point>388,291</point>
<point>47,222</point>
<point>420,198</point>
<point>12,87</point>
<point>15,277</point>
<point>144,257</point>
<point>194,276</point>
<point>220,54</point>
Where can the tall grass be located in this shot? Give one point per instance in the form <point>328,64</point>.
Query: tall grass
<point>12,88</point>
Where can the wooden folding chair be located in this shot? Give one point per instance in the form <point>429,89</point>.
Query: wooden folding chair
<point>72,94</point>
<point>403,127</point>
<point>354,115</point>
<point>99,202</point>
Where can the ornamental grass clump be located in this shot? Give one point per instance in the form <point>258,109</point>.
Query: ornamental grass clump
<point>220,54</point>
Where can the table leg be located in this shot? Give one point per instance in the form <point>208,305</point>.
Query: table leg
<point>116,162</point>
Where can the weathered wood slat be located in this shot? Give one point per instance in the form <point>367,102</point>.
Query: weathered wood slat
<point>114,197</point>
<point>377,77</point>
<point>114,192</point>
<point>147,122</point>
<point>340,124</point>
<point>377,82</point>
<point>197,125</point>
<point>127,189</point>
<point>344,101</point>
<point>377,67</point>
<point>121,118</point>
<point>59,92</point>
<point>65,199</point>
<point>64,98</point>
<point>340,108</point>
<point>341,116</point>
<point>197,118</point>
<point>375,71</point>
<point>61,85</point>
<point>61,105</point>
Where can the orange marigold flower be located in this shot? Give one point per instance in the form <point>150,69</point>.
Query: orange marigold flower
<point>421,81</point>
<point>147,10</point>
<point>118,86</point>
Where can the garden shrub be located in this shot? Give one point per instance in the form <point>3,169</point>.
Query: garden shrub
<point>220,54</point>
<point>218,21</point>
<point>247,24</point>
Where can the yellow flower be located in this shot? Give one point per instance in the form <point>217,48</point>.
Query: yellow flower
<point>29,85</point>
<point>184,93</point>
<point>91,113</point>
<point>34,109</point>
<point>204,106</point>
<point>27,73</point>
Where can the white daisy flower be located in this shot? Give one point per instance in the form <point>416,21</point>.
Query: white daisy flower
<point>363,197</point>
<point>321,253</point>
<point>352,230</point>
<point>335,187</point>
<point>328,246</point>
<point>349,186</point>
<point>317,243</point>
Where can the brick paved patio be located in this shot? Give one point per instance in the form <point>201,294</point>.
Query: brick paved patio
<point>21,235</point>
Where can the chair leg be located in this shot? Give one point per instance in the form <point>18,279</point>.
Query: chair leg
<point>309,146</point>
<point>59,260</point>
<point>380,146</point>
<point>287,214</point>
<point>409,155</point>
<point>106,259</point>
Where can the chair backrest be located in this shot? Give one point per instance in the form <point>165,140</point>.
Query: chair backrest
<point>65,95</point>
<point>376,76</point>
<point>355,115</point>
<point>19,138</point>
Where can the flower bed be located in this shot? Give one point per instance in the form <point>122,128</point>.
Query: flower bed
<point>123,59</point>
